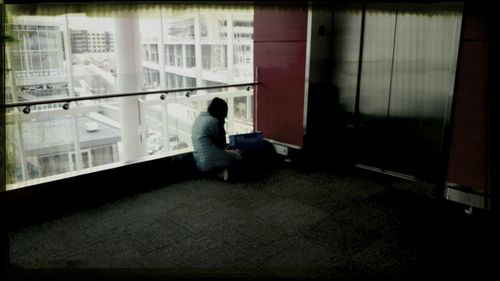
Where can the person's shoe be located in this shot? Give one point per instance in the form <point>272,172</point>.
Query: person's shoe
<point>224,174</point>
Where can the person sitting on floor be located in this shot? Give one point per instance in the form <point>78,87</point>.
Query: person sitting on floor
<point>210,150</point>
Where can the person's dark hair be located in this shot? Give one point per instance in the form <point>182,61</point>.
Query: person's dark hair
<point>218,108</point>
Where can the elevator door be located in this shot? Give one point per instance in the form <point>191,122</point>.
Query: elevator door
<point>406,85</point>
<point>375,84</point>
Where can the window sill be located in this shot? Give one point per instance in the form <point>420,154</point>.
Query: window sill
<point>101,168</point>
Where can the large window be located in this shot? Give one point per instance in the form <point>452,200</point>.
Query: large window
<point>75,55</point>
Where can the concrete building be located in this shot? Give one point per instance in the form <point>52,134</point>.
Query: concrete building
<point>79,41</point>
<point>86,41</point>
<point>37,60</point>
<point>50,141</point>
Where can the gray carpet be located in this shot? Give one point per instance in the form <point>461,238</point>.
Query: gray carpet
<point>293,224</point>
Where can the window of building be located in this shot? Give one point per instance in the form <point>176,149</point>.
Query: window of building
<point>178,55</point>
<point>171,55</point>
<point>171,81</point>
<point>154,52</point>
<point>54,164</point>
<point>206,56</point>
<point>190,56</point>
<point>190,82</point>
<point>102,155</point>
<point>145,53</point>
<point>214,57</point>
<point>85,160</point>
<point>180,81</point>
<point>151,78</point>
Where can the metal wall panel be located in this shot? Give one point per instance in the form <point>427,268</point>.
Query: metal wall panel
<point>406,81</point>
<point>345,54</point>
<point>375,83</point>
<point>425,55</point>
<point>377,61</point>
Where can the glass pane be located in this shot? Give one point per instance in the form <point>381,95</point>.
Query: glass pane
<point>53,164</point>
<point>171,54</point>
<point>85,160</point>
<point>45,60</point>
<point>36,60</point>
<point>54,61</point>
<point>103,155</point>
<point>16,61</point>
<point>33,40</point>
<point>51,141</point>
<point>25,64</point>
<point>14,168</point>
<point>99,135</point>
<point>47,140</point>
<point>52,41</point>
<point>206,56</point>
<point>190,56</point>
<point>178,55</point>
<point>43,40</point>
<point>154,53</point>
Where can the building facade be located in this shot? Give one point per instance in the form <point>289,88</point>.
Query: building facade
<point>43,143</point>
<point>86,41</point>
<point>37,62</point>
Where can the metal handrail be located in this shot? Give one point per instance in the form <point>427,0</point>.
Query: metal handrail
<point>165,92</point>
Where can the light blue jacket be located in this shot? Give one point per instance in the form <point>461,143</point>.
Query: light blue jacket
<point>209,141</point>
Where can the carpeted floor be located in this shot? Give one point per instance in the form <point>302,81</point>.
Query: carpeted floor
<point>294,224</point>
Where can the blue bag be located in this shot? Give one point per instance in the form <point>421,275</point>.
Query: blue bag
<point>247,142</point>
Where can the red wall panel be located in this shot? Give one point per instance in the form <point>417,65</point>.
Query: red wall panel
<point>280,105</point>
<point>279,58</point>
<point>476,25</point>
<point>467,158</point>
<point>280,24</point>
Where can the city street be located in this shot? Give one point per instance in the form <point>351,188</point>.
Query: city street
<point>87,78</point>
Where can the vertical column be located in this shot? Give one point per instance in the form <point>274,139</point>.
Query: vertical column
<point>230,68</point>
<point>230,49</point>
<point>198,56</point>
<point>230,115</point>
<point>18,121</point>
<point>161,55</point>
<point>197,48</point>
<point>74,121</point>
<point>69,63</point>
<point>129,79</point>
<point>250,99</point>
<point>163,84</point>
<point>19,136</point>
<point>185,79</point>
